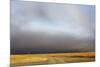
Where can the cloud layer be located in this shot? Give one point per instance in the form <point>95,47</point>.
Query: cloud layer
<point>38,27</point>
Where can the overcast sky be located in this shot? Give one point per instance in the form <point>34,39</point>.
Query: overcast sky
<point>38,27</point>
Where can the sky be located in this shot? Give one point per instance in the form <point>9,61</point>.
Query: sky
<point>40,27</point>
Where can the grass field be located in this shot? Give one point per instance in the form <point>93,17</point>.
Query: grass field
<point>56,58</point>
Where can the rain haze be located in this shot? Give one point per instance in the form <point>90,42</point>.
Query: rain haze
<point>41,27</point>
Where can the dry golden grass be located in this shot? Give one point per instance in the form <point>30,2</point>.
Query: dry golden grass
<point>35,59</point>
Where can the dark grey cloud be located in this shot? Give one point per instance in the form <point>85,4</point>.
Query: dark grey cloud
<point>38,27</point>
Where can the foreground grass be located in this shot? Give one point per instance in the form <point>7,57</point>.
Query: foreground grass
<point>56,58</point>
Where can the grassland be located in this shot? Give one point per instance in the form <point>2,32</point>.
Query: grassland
<point>56,58</point>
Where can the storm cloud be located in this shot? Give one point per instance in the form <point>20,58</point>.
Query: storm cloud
<point>40,27</point>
